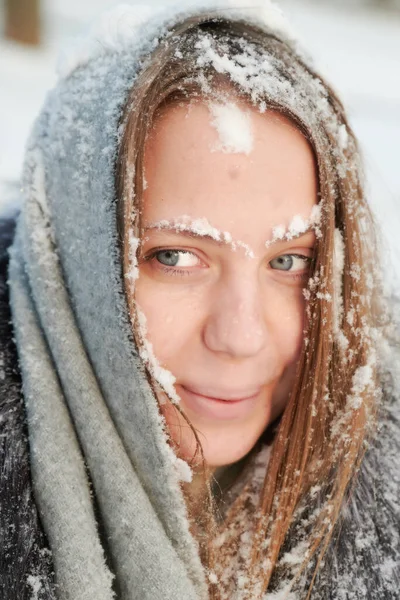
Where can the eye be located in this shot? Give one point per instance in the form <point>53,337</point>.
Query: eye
<point>176,258</point>
<point>290,262</point>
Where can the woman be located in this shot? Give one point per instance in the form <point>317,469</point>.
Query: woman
<point>195,302</point>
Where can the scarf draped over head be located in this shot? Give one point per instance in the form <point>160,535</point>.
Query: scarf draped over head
<point>93,420</point>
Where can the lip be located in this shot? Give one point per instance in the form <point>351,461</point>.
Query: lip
<point>227,408</point>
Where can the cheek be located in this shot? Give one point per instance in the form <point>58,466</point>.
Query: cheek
<point>172,316</point>
<point>289,335</point>
<point>288,323</point>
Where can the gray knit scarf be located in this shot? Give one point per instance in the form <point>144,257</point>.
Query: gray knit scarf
<point>94,423</point>
<point>90,408</point>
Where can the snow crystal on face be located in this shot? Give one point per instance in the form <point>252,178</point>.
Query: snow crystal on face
<point>233,125</point>
<point>163,377</point>
<point>201,227</point>
<point>278,232</point>
<point>297,226</point>
<point>227,238</point>
<point>248,251</point>
<point>186,223</point>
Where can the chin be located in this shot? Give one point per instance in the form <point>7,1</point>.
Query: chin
<point>224,438</point>
<point>220,447</point>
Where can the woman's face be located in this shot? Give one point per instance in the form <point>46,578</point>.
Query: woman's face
<point>226,319</point>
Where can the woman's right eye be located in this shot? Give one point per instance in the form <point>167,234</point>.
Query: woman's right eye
<point>176,258</point>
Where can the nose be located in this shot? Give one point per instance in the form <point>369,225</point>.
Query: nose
<point>236,325</point>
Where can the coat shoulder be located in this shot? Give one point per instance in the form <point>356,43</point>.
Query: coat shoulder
<point>25,560</point>
<point>364,559</point>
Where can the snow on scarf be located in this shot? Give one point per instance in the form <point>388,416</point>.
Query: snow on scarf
<point>93,420</point>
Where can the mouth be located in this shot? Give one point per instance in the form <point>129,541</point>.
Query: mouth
<point>225,406</point>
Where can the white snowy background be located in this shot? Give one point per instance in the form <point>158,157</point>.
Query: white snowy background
<point>355,46</point>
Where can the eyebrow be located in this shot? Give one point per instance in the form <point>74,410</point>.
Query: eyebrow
<point>189,233</point>
<point>185,232</point>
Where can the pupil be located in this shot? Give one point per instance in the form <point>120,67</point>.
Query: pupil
<point>285,262</point>
<point>168,257</point>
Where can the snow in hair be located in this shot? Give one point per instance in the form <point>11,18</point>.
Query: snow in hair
<point>129,25</point>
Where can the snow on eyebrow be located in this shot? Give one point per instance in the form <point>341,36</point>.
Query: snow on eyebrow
<point>199,226</point>
<point>297,226</point>
<point>234,128</point>
<point>202,227</point>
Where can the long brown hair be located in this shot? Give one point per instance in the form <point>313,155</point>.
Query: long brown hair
<point>324,429</point>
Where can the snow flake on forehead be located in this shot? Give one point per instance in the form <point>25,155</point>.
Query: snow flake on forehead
<point>234,128</point>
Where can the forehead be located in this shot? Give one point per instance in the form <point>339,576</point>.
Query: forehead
<point>247,194</point>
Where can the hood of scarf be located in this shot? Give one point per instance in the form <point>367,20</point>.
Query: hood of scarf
<point>93,419</point>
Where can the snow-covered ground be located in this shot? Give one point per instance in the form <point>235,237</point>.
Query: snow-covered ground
<point>357,49</point>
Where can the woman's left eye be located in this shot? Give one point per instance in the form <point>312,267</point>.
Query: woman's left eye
<point>290,262</point>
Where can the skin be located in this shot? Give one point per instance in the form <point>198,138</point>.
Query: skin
<point>225,325</point>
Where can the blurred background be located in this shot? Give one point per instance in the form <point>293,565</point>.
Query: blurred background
<point>355,44</point>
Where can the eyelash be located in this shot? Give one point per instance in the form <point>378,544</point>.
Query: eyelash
<point>172,271</point>
<point>303,275</point>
